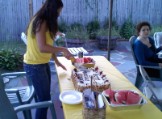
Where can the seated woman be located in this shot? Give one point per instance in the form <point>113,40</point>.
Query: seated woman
<point>145,50</point>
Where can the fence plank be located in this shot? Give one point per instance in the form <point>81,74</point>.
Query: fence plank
<point>15,13</point>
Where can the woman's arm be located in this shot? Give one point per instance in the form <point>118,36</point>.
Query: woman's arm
<point>159,49</point>
<point>140,53</point>
<point>44,47</point>
<point>57,62</point>
<point>153,44</point>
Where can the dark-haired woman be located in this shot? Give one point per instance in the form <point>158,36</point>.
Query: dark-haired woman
<point>145,50</point>
<point>40,34</point>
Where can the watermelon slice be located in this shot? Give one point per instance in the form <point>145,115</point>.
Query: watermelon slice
<point>133,98</point>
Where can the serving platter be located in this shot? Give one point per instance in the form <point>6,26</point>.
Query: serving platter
<point>120,107</point>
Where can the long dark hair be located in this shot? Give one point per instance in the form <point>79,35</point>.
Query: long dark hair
<point>49,14</point>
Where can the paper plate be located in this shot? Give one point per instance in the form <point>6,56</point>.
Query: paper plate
<point>71,97</point>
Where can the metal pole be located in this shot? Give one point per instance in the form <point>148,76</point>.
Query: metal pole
<point>30,9</point>
<point>109,30</point>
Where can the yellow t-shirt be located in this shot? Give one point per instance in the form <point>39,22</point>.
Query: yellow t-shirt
<point>33,54</point>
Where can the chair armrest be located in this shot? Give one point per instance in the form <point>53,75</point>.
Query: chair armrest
<point>38,105</point>
<point>13,90</point>
<point>14,74</point>
<point>151,67</point>
<point>16,91</point>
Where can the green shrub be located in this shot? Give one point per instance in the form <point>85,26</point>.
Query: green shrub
<point>127,29</point>
<point>92,28</point>
<point>77,34</point>
<point>77,26</point>
<point>104,32</point>
<point>106,24</point>
<point>10,59</point>
<point>62,27</point>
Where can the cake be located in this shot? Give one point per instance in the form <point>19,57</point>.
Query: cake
<point>89,78</point>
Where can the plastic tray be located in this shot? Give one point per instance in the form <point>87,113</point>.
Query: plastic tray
<point>123,106</point>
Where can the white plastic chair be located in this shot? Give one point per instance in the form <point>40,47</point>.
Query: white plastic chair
<point>19,95</point>
<point>158,41</point>
<point>7,111</point>
<point>150,90</point>
<point>24,38</point>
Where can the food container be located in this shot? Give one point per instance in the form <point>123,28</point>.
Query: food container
<point>83,62</point>
<point>89,65</point>
<point>119,107</point>
<point>94,106</point>
<point>80,54</point>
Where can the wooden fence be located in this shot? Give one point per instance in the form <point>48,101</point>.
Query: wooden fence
<point>15,14</point>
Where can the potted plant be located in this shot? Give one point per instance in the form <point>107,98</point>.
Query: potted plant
<point>102,38</point>
<point>76,37</point>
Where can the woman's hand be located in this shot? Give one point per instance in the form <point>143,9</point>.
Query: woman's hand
<point>60,65</point>
<point>60,34</point>
<point>67,54</point>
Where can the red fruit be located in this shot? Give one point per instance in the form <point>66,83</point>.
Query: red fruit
<point>96,69</point>
<point>86,60</point>
<point>101,72</point>
<point>103,76</point>
<point>89,59</point>
<point>121,96</point>
<point>109,93</point>
<point>133,98</point>
<point>77,60</point>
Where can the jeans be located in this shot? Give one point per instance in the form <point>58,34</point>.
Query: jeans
<point>40,76</point>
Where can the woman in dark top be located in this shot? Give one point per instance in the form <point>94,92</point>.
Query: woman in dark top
<point>145,50</point>
<point>144,47</point>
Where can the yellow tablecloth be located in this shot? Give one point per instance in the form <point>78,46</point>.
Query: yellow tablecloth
<point>117,80</point>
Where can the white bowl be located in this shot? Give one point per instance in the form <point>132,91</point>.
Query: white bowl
<point>71,97</point>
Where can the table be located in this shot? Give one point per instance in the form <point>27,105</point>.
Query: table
<point>117,80</point>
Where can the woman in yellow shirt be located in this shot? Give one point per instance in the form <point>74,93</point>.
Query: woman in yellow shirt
<point>40,34</point>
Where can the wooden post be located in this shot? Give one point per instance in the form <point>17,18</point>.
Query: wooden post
<point>30,8</point>
<point>110,23</point>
